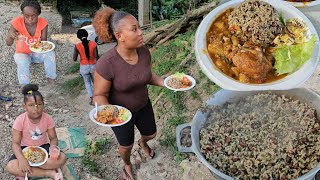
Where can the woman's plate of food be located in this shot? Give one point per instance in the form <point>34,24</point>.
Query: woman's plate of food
<point>42,46</point>
<point>110,115</point>
<point>257,45</point>
<point>303,3</point>
<point>35,155</point>
<point>179,82</point>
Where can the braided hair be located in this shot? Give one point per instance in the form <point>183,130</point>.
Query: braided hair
<point>31,90</point>
<point>82,34</point>
<point>31,3</point>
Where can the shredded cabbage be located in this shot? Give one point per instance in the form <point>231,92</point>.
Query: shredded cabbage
<point>290,58</point>
<point>179,75</point>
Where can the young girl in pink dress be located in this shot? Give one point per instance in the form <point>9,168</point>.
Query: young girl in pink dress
<point>34,128</point>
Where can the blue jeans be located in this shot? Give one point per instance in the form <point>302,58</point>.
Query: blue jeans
<point>87,73</point>
<point>23,62</point>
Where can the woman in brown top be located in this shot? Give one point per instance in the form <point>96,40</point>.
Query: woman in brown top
<point>121,78</point>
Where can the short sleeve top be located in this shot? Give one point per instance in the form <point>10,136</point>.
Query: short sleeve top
<point>128,82</point>
<point>22,45</point>
<point>33,134</point>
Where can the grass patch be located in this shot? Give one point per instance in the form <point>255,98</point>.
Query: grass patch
<point>169,138</point>
<point>169,56</point>
<point>209,86</point>
<point>73,86</point>
<point>92,150</point>
<point>175,121</point>
<point>176,98</point>
<point>179,157</point>
<point>166,66</point>
<point>195,95</point>
<point>75,68</point>
<point>154,91</point>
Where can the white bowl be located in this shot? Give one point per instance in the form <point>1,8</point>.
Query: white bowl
<point>40,163</point>
<point>92,112</point>
<point>181,89</point>
<point>304,4</point>
<point>40,51</point>
<point>290,81</point>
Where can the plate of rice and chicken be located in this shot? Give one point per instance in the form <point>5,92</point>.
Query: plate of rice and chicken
<point>257,45</point>
<point>179,82</point>
<point>110,115</point>
<point>42,46</point>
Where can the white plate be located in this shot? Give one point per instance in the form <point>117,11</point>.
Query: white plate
<point>181,89</point>
<point>37,164</point>
<point>304,4</point>
<point>40,51</point>
<point>292,80</point>
<point>91,115</point>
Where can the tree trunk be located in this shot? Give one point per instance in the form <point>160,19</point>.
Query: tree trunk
<point>160,14</point>
<point>163,33</point>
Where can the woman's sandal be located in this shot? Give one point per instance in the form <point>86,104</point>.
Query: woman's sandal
<point>126,175</point>
<point>151,153</point>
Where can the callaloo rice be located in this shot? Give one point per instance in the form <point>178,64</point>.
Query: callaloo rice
<point>255,21</point>
<point>264,136</point>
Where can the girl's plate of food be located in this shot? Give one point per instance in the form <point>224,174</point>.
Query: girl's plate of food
<point>110,115</point>
<point>42,46</point>
<point>179,82</point>
<point>35,155</point>
<point>303,3</point>
<point>247,45</point>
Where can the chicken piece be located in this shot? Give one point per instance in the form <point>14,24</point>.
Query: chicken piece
<point>37,45</point>
<point>250,61</point>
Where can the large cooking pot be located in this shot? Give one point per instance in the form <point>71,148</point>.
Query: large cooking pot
<point>304,95</point>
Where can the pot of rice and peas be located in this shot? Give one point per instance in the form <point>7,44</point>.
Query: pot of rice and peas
<point>259,126</point>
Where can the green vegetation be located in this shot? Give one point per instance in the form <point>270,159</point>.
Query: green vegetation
<point>194,94</point>
<point>73,86</point>
<point>92,150</point>
<point>172,8</point>
<point>166,60</point>
<point>75,68</point>
<point>169,138</point>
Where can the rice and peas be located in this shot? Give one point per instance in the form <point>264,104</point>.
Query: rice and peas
<point>255,21</point>
<point>263,136</point>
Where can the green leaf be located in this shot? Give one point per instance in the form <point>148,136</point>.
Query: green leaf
<point>291,58</point>
<point>179,75</point>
